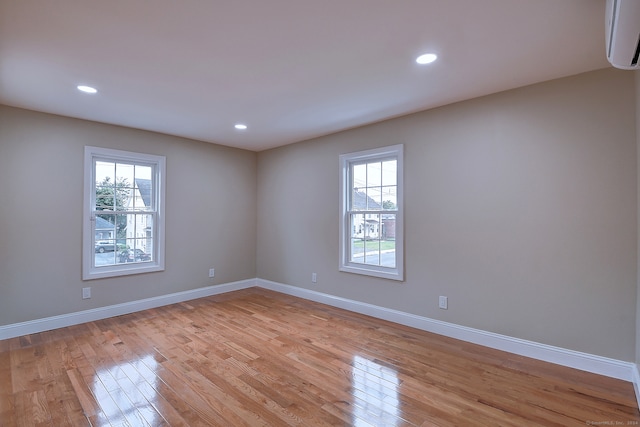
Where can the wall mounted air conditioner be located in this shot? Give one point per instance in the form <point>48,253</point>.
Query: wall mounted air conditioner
<point>623,33</point>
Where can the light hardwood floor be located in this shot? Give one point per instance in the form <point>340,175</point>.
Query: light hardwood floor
<point>261,358</point>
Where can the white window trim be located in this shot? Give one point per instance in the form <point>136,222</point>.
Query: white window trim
<point>89,271</point>
<point>345,265</point>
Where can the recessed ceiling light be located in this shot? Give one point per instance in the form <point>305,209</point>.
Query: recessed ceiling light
<point>240,126</point>
<point>427,58</point>
<point>87,89</point>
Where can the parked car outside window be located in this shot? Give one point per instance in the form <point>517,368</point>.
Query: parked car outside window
<point>103,247</point>
<point>131,255</point>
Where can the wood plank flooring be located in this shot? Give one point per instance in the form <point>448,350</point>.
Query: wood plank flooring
<point>260,358</point>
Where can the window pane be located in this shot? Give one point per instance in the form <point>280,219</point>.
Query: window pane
<point>105,228</point>
<point>124,174</point>
<point>121,227</point>
<point>104,199</point>
<point>371,243</point>
<point>145,248</point>
<point>374,174</point>
<point>374,199</point>
<point>122,197</point>
<point>104,251</point>
<point>122,254</point>
<point>389,172</point>
<point>388,253</point>
<point>105,245</point>
<point>356,225</point>
<point>136,251</point>
<point>105,171</point>
<point>372,252</point>
<point>357,250</point>
<point>388,227</point>
<point>356,253</point>
<point>359,176</point>
<point>388,240</point>
<point>372,226</point>
<point>358,200</point>
<point>140,232</point>
<point>389,198</point>
<point>142,199</point>
<point>104,259</point>
<point>143,172</point>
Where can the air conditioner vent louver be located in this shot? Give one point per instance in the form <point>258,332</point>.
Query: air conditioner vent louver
<point>622,22</point>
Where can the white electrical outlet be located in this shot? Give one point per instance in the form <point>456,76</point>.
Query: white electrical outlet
<point>212,272</point>
<point>86,293</point>
<point>443,302</point>
<point>314,278</point>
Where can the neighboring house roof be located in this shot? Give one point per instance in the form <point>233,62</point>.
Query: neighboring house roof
<point>360,199</point>
<point>103,224</point>
<point>144,187</point>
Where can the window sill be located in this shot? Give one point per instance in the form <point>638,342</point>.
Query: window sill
<point>121,270</point>
<point>391,274</point>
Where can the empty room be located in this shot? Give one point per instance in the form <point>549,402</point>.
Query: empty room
<point>354,212</point>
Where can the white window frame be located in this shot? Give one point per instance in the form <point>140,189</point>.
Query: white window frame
<point>346,160</point>
<point>89,270</point>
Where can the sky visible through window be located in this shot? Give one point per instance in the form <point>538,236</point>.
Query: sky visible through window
<point>122,170</point>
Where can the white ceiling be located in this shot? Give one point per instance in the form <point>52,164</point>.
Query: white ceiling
<point>290,69</point>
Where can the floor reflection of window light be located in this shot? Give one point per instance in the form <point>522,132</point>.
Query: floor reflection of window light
<point>127,391</point>
<point>375,394</point>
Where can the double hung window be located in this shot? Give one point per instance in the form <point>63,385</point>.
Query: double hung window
<point>123,227</point>
<point>371,229</point>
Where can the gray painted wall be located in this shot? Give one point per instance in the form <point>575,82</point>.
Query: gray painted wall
<point>520,207</point>
<point>210,215</point>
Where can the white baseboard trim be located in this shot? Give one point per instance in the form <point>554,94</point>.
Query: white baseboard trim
<point>574,359</point>
<point>61,321</point>
<point>587,362</point>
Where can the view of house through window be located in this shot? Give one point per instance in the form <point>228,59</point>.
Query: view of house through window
<point>373,211</point>
<point>371,231</point>
<point>123,213</point>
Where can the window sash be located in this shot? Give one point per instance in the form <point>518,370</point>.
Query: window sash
<point>114,240</point>
<point>369,241</point>
<point>132,186</point>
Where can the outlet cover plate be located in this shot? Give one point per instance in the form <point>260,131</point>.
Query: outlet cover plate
<point>443,302</point>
